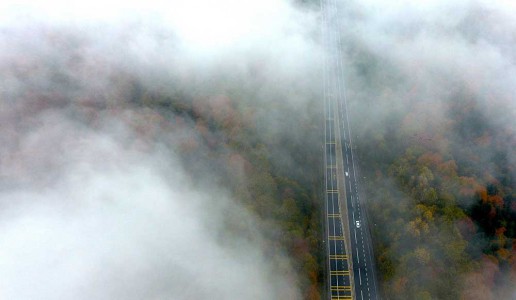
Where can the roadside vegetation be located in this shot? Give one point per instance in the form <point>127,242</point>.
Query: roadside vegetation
<point>438,176</point>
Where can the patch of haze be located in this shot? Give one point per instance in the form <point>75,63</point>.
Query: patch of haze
<point>273,57</point>
<point>197,31</point>
<point>424,57</point>
<point>117,222</point>
<point>87,210</point>
<point>432,54</point>
<point>273,60</point>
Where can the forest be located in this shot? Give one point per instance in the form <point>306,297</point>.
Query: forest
<point>273,172</point>
<point>153,158</point>
<point>439,182</point>
<point>224,143</point>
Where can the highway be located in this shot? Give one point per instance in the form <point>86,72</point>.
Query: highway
<point>339,282</point>
<point>348,237</point>
<point>338,269</point>
<point>338,262</point>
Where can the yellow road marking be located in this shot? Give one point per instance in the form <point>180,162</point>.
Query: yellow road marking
<point>334,215</point>
<point>332,191</point>
<point>338,256</point>
<point>339,272</point>
<point>339,288</point>
<point>341,298</point>
<point>336,238</point>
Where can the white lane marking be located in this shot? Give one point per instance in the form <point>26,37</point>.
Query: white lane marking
<point>355,234</point>
<point>360,276</point>
<point>358,257</point>
<point>361,294</point>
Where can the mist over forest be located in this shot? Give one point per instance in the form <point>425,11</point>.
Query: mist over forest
<point>431,87</point>
<point>172,150</point>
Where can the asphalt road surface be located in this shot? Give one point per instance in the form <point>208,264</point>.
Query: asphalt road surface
<point>338,142</point>
<point>338,264</point>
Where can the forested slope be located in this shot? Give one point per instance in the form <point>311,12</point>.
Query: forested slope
<point>438,172</point>
<point>269,168</point>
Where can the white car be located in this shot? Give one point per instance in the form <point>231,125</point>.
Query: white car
<point>347,174</point>
<point>357,223</point>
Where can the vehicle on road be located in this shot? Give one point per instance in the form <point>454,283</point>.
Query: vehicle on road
<point>357,223</point>
<point>347,174</point>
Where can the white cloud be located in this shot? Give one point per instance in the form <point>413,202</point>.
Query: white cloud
<point>116,223</point>
<point>84,214</point>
